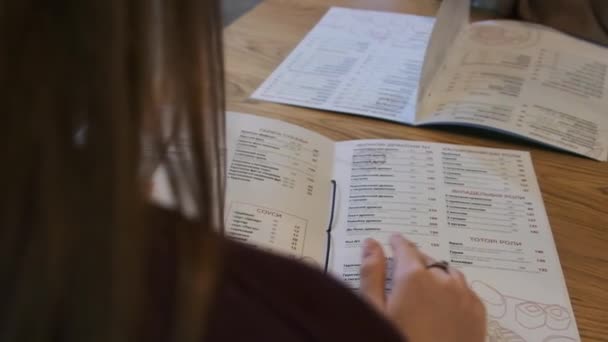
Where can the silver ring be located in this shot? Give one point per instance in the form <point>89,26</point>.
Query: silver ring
<point>443,265</point>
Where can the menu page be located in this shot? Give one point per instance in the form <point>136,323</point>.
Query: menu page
<point>451,19</point>
<point>278,186</point>
<point>478,208</point>
<point>526,79</point>
<point>278,183</point>
<point>355,61</point>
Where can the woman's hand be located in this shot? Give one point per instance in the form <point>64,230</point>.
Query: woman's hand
<point>425,304</point>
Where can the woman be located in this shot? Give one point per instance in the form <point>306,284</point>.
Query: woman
<point>88,89</point>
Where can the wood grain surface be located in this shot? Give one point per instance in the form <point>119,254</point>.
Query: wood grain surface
<point>575,189</point>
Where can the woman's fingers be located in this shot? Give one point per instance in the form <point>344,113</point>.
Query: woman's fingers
<point>459,277</point>
<point>450,273</point>
<point>437,271</point>
<point>373,273</point>
<point>406,256</point>
<point>422,299</point>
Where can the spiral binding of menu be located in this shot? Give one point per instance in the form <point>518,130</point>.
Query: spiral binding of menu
<point>330,224</point>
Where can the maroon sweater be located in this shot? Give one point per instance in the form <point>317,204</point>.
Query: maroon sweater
<point>264,297</point>
<point>267,298</point>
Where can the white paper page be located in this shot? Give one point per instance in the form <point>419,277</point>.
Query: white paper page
<point>528,80</point>
<point>355,61</point>
<point>278,186</point>
<point>480,209</point>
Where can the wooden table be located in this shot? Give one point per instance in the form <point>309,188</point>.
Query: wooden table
<point>575,189</point>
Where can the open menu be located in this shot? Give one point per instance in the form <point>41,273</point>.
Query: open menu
<point>517,78</point>
<point>478,208</point>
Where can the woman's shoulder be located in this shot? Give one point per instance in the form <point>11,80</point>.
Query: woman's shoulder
<point>264,296</point>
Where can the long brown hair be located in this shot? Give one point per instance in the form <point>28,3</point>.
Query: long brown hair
<point>85,87</point>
